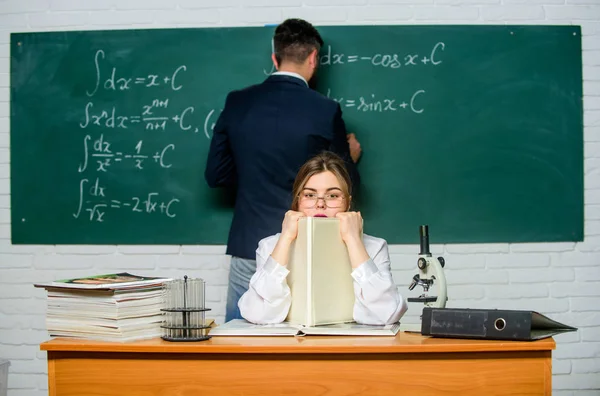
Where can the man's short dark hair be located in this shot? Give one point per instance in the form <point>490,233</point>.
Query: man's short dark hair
<point>294,40</point>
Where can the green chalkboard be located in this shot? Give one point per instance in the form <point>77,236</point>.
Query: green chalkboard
<point>474,130</point>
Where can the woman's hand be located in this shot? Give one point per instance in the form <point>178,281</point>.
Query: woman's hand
<point>351,226</point>
<point>289,227</point>
<point>289,232</point>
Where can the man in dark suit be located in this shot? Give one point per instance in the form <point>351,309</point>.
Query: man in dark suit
<point>262,137</point>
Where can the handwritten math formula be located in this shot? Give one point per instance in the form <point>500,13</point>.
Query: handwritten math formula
<point>101,151</point>
<point>94,202</point>
<point>162,112</point>
<point>328,57</point>
<point>104,153</point>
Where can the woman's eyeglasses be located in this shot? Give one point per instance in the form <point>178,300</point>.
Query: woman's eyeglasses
<point>310,199</point>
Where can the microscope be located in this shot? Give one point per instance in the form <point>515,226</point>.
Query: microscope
<point>430,271</point>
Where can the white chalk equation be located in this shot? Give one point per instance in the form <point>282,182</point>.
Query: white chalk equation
<point>373,103</point>
<point>150,117</point>
<point>115,81</point>
<point>367,103</point>
<point>392,60</point>
<point>93,199</point>
<point>428,57</point>
<point>101,153</point>
<point>115,138</point>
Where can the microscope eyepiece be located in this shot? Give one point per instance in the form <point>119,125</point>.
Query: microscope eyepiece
<point>424,237</point>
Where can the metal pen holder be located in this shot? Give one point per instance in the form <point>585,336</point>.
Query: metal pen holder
<point>184,312</point>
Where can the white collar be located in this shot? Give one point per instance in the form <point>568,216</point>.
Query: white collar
<point>291,74</point>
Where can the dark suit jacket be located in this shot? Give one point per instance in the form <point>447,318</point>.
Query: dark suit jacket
<point>261,139</point>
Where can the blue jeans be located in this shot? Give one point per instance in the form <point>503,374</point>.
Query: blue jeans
<point>240,272</point>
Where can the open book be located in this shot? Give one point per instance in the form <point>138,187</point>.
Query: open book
<point>240,327</point>
<point>122,280</point>
<point>320,278</point>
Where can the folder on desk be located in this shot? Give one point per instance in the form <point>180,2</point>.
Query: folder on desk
<point>490,324</point>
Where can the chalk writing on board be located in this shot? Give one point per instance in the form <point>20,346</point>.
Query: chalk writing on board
<point>393,61</point>
<point>93,199</point>
<point>112,119</point>
<point>209,125</point>
<point>368,103</point>
<point>101,151</point>
<point>372,103</point>
<point>432,57</point>
<point>121,82</point>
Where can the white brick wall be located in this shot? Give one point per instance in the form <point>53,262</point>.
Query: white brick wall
<point>562,279</point>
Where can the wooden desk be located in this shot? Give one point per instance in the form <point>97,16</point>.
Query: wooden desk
<point>401,365</point>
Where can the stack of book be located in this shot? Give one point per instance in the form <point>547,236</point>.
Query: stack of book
<point>112,307</point>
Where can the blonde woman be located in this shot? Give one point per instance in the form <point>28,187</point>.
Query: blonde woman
<point>323,189</point>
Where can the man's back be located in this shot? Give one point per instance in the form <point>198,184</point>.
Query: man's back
<point>266,132</point>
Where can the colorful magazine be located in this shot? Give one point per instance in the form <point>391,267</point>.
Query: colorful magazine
<point>122,280</point>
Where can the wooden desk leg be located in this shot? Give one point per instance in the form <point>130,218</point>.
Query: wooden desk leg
<point>548,373</point>
<point>51,374</point>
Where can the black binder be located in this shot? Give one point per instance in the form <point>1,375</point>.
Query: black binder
<point>489,324</point>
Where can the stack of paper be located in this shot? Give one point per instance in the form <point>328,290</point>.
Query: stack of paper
<point>114,307</point>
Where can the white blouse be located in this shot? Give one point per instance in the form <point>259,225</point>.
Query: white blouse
<point>377,302</point>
